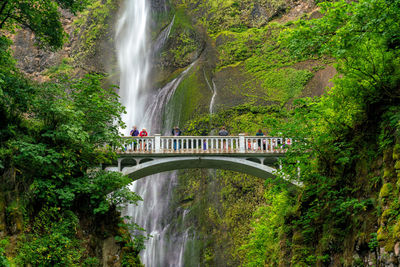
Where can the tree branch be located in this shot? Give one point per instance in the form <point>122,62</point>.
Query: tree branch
<point>5,19</point>
<point>3,6</point>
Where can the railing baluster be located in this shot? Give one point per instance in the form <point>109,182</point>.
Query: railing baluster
<point>204,144</point>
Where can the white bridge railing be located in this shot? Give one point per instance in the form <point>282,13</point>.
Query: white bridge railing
<point>204,144</point>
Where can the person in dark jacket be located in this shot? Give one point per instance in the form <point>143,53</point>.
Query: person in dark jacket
<point>134,132</point>
<point>259,134</point>
<point>223,132</point>
<point>176,132</point>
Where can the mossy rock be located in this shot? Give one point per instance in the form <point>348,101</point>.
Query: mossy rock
<point>386,190</point>
<point>382,235</point>
<point>387,156</point>
<point>396,152</point>
<point>388,174</point>
<point>389,245</point>
<point>396,230</point>
<point>2,214</point>
<point>191,97</point>
<point>386,215</point>
<point>397,165</point>
<point>14,217</point>
<point>297,238</point>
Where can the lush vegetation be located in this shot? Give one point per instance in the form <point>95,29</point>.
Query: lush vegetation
<point>54,197</point>
<point>342,137</point>
<point>42,17</point>
<point>348,142</point>
<point>92,26</point>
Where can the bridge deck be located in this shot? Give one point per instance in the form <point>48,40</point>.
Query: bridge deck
<point>203,145</point>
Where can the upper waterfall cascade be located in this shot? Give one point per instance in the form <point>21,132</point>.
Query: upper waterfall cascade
<point>134,59</point>
<point>145,108</point>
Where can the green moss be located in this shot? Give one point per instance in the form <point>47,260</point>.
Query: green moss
<point>184,43</point>
<point>396,152</point>
<point>396,231</point>
<point>266,62</point>
<point>14,215</point>
<point>297,238</point>
<point>189,98</point>
<point>182,21</point>
<point>386,190</point>
<point>388,173</point>
<point>389,245</point>
<point>386,216</point>
<point>387,155</point>
<point>382,235</point>
<point>92,25</point>
<point>397,165</point>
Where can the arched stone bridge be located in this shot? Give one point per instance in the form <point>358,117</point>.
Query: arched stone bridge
<point>254,155</point>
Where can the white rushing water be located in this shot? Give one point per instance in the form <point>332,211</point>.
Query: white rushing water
<point>213,89</point>
<point>145,108</point>
<point>134,59</point>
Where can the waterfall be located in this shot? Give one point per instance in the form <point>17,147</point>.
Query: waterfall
<point>213,89</point>
<point>162,38</point>
<point>154,112</point>
<point>145,108</point>
<point>134,59</point>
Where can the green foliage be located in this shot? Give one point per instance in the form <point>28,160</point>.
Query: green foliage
<point>343,128</point>
<point>263,247</point>
<point>266,60</point>
<point>51,135</point>
<point>284,84</point>
<point>246,118</point>
<point>40,16</point>
<point>3,259</point>
<point>105,190</point>
<point>93,24</point>
<point>186,46</point>
<point>131,235</point>
<point>183,44</point>
<point>52,241</point>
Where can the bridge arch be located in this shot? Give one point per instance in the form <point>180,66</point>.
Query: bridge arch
<point>159,165</point>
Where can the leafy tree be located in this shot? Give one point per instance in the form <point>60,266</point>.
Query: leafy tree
<point>40,16</point>
<point>50,139</point>
<point>341,130</point>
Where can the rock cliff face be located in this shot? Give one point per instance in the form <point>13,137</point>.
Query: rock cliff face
<point>234,48</point>
<point>235,43</point>
<point>89,48</point>
<point>33,60</point>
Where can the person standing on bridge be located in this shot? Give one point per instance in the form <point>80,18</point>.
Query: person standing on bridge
<point>134,132</point>
<point>143,133</point>
<point>223,132</point>
<point>176,132</point>
<point>259,134</point>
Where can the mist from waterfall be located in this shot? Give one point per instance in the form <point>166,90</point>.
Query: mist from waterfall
<point>145,108</point>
